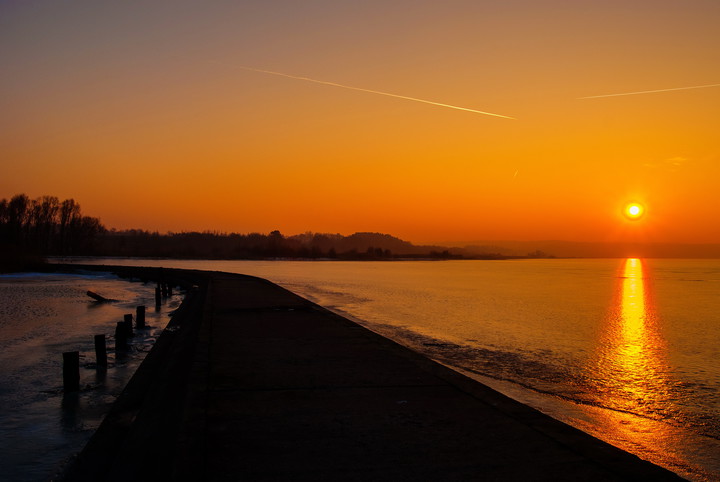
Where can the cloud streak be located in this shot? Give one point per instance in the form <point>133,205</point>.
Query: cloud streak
<point>672,164</point>
<point>650,91</point>
<point>333,84</point>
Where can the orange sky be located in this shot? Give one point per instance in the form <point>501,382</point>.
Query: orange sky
<point>144,114</point>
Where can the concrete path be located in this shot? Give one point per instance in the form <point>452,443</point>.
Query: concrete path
<point>294,392</point>
<point>281,389</point>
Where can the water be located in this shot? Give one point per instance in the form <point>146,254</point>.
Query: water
<point>624,349</point>
<point>42,316</point>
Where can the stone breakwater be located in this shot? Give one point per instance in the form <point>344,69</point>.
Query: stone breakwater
<point>252,382</point>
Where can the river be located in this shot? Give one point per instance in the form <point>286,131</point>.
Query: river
<point>625,349</point>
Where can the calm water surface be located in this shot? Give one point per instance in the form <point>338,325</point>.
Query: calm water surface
<point>625,349</point>
<point>42,316</point>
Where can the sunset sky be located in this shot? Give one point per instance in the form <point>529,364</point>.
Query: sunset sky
<point>150,115</point>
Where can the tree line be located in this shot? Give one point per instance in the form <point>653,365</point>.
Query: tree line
<point>46,226</point>
<point>212,245</point>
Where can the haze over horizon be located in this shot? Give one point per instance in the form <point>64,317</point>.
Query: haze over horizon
<point>338,117</point>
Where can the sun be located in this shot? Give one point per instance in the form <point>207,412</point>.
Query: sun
<point>634,210</point>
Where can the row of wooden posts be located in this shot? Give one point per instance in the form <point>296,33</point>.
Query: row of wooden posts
<point>123,332</point>
<point>162,290</point>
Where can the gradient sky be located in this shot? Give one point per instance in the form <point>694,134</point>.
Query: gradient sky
<point>144,113</point>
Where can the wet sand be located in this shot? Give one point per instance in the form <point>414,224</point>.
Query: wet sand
<point>252,382</point>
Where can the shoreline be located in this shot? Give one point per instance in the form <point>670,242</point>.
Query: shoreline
<point>582,416</point>
<point>44,315</point>
<point>182,358</point>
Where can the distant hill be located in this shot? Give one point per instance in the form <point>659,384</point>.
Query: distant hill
<point>212,245</point>
<point>362,242</point>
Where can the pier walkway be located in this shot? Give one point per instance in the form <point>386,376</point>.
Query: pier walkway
<point>256,383</point>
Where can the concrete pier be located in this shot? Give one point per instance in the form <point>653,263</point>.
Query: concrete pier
<point>252,382</point>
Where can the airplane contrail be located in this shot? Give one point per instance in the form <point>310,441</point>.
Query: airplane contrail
<point>650,91</point>
<point>375,92</point>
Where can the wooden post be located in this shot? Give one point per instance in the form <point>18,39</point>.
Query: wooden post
<point>169,289</point>
<point>128,325</point>
<point>96,296</point>
<point>140,317</point>
<point>100,351</point>
<point>71,371</point>
<point>157,296</point>
<point>121,336</point>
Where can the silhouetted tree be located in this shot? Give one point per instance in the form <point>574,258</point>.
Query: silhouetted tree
<point>69,212</point>
<point>46,226</point>
<point>43,222</point>
<point>17,214</point>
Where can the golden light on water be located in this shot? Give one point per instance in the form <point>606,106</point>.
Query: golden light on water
<point>631,374</point>
<point>635,349</point>
<point>631,346</point>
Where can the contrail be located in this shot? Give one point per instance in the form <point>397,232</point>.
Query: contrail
<point>651,91</point>
<point>375,92</point>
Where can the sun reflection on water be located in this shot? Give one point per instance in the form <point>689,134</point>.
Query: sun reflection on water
<point>632,374</point>
<point>637,347</point>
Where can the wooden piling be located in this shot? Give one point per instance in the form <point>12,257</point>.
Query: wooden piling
<point>121,339</point>
<point>100,351</point>
<point>169,290</point>
<point>158,298</point>
<point>140,317</point>
<point>96,296</point>
<point>71,371</point>
<point>128,319</point>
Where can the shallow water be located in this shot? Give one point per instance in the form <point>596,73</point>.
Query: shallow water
<point>624,349</point>
<point>42,316</point>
